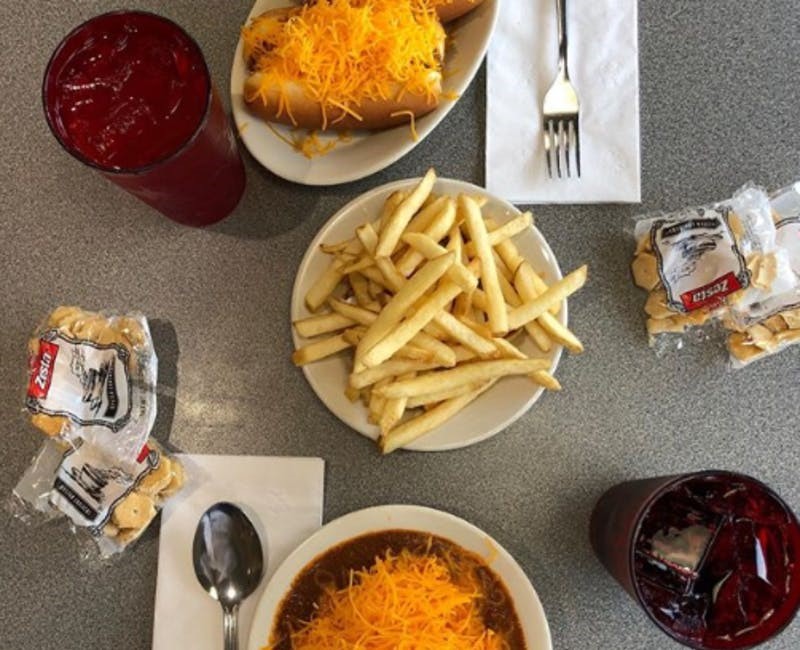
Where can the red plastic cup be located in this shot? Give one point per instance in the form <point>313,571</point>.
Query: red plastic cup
<point>712,557</point>
<point>129,93</point>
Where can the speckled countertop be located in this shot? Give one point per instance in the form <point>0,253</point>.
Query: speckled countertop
<point>719,106</point>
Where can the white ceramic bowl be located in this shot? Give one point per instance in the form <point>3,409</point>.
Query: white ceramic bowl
<point>367,152</point>
<point>526,602</point>
<point>488,414</point>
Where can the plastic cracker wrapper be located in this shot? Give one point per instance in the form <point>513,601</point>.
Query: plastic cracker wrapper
<point>105,499</point>
<point>697,262</point>
<point>91,389</point>
<point>92,377</point>
<point>762,327</point>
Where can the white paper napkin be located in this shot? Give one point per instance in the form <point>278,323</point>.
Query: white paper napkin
<point>282,496</point>
<point>603,65</point>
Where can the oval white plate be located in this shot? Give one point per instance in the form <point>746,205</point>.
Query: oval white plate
<point>366,153</point>
<point>427,520</point>
<point>492,411</point>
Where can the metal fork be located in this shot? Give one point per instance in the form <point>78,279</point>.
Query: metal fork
<point>561,108</point>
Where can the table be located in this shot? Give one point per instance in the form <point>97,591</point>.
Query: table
<point>718,108</point>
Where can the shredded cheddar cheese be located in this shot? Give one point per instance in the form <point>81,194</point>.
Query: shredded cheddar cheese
<point>309,143</point>
<point>403,601</point>
<point>343,52</point>
<point>412,122</point>
<point>439,3</point>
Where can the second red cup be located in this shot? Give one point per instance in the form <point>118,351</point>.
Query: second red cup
<point>712,557</point>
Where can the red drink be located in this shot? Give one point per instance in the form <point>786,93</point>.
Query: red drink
<point>712,557</point>
<point>129,93</point>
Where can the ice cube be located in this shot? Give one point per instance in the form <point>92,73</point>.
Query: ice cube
<point>759,599</point>
<point>746,550</point>
<point>772,555</point>
<point>706,493</point>
<point>685,615</point>
<point>682,548</point>
<point>763,509</point>
<point>673,541</point>
<point>727,615</point>
<point>740,499</point>
<point>648,569</point>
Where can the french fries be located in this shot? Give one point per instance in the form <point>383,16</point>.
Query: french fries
<point>468,373</point>
<point>325,286</point>
<point>320,349</point>
<point>406,330</point>
<point>438,228</point>
<point>392,230</point>
<point>441,395</point>
<point>403,300</point>
<point>532,309</point>
<point>322,324</point>
<point>412,429</point>
<point>387,370</point>
<point>476,228</point>
<point>425,294</point>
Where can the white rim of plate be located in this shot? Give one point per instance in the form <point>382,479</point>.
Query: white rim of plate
<point>527,604</point>
<point>297,302</point>
<point>425,125</point>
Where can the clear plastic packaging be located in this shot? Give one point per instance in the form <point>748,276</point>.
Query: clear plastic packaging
<point>92,377</point>
<point>770,321</point>
<point>763,246</point>
<point>92,390</point>
<point>109,500</point>
<point>700,263</point>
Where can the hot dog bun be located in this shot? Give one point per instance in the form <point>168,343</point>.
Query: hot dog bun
<point>307,113</point>
<point>289,101</point>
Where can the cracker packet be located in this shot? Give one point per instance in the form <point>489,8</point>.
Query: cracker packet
<point>105,499</point>
<point>698,262</point>
<point>92,377</point>
<point>91,388</point>
<point>770,322</point>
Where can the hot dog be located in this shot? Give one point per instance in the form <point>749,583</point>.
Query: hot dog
<point>305,71</point>
<point>308,114</point>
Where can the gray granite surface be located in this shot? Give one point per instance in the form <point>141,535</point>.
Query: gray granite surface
<point>719,106</point>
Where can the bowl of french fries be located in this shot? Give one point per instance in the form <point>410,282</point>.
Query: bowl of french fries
<point>429,315</point>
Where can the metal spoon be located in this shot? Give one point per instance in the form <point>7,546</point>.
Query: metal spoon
<point>228,561</point>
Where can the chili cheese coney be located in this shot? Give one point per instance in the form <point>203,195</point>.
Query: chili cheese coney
<point>345,64</point>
